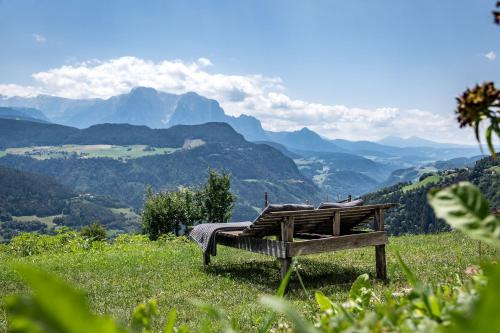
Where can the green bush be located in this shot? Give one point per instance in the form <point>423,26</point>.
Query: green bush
<point>94,232</point>
<point>172,238</point>
<point>26,244</point>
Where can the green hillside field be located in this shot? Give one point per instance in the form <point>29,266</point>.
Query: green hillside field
<point>88,151</point>
<point>116,277</point>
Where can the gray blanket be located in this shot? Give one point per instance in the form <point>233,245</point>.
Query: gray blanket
<point>204,234</point>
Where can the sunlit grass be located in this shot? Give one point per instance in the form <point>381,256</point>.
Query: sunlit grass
<point>117,278</point>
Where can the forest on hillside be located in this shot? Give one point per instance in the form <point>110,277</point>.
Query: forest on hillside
<point>413,215</point>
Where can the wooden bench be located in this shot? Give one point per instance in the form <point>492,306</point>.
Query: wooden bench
<point>303,232</point>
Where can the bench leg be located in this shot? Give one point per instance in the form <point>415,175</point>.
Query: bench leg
<point>206,258</point>
<point>380,262</point>
<point>285,266</point>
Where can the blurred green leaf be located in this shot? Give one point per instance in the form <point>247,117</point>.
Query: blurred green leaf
<point>361,292</point>
<point>484,317</point>
<point>172,316</point>
<point>409,274</point>
<point>143,315</point>
<point>323,301</point>
<point>54,306</point>
<point>489,140</point>
<point>281,306</point>
<point>465,208</point>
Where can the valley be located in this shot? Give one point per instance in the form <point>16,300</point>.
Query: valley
<point>120,146</point>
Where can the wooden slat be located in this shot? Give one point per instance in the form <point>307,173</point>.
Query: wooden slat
<point>310,220</point>
<point>257,245</point>
<point>337,243</point>
<point>306,235</point>
<point>356,208</point>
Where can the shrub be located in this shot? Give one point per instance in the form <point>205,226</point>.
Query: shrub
<point>171,238</point>
<point>130,239</point>
<point>26,244</point>
<point>94,232</point>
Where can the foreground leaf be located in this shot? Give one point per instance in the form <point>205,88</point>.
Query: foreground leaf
<point>281,306</point>
<point>465,208</point>
<point>54,306</point>
<point>361,290</point>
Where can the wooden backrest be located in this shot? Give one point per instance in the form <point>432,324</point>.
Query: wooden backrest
<point>319,221</point>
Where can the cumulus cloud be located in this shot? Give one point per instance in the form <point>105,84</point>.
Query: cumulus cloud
<point>39,38</point>
<point>490,56</point>
<point>9,90</point>
<point>257,95</point>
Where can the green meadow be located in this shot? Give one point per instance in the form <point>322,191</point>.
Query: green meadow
<point>88,151</point>
<point>118,276</point>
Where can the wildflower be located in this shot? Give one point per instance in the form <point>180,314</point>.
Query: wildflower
<point>472,270</point>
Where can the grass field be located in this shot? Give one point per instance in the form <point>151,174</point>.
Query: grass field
<point>48,220</point>
<point>428,180</point>
<point>118,277</point>
<point>88,151</point>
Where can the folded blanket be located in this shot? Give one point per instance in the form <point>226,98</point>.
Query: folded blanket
<point>204,234</point>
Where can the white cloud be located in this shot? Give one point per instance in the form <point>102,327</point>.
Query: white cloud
<point>257,95</point>
<point>39,38</point>
<point>9,90</point>
<point>204,62</point>
<point>490,56</point>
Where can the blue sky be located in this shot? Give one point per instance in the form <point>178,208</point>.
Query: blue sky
<point>361,55</point>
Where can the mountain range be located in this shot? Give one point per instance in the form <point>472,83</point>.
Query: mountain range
<point>323,161</point>
<point>21,113</point>
<point>156,109</point>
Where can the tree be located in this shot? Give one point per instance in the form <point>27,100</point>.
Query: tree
<point>218,199</point>
<point>170,211</point>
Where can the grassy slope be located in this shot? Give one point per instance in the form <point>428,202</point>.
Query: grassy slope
<point>119,277</point>
<point>428,180</point>
<point>48,220</point>
<point>89,151</point>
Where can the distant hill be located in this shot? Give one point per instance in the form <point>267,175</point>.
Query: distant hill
<point>415,141</point>
<point>281,148</point>
<point>304,139</point>
<point>407,175</point>
<point>414,215</point>
<point>34,202</point>
<point>255,168</point>
<point>19,113</point>
<point>27,193</point>
<point>341,174</point>
<point>23,133</point>
<point>459,162</point>
<point>414,173</point>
